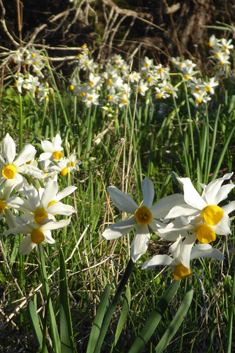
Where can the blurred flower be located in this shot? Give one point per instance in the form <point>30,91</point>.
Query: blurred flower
<point>37,233</point>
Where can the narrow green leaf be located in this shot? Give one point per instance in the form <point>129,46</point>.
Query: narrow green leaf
<point>221,158</point>
<point>54,331</point>
<point>95,331</point>
<point>66,329</point>
<point>176,322</point>
<point>230,320</point>
<point>33,317</point>
<point>124,313</point>
<point>154,319</point>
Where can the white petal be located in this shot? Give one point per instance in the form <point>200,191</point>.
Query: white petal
<point>10,219</point>
<point>49,193</point>
<point>56,142</point>
<point>24,229</point>
<point>175,247</point>
<point>45,156</point>
<point>158,260</point>
<point>212,191</point>
<point>120,228</point>
<point>20,204</point>
<point>29,169</point>
<point>122,200</point>
<point>67,191</point>
<point>164,205</point>
<point>9,149</point>
<point>230,207</point>
<point>148,192</point>
<point>47,147</point>
<point>223,227</point>
<point>27,245</point>
<point>56,225</point>
<point>223,193</point>
<point>182,210</point>
<point>48,238</point>
<point>26,155</point>
<point>185,250</point>
<point>191,196</point>
<point>61,209</point>
<point>140,243</point>
<point>206,250</point>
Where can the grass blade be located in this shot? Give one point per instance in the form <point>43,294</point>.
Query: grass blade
<point>66,329</point>
<point>95,331</point>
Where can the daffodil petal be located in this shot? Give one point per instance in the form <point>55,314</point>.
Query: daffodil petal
<point>49,193</point>
<point>164,205</point>
<point>122,201</point>
<point>47,147</point>
<point>61,209</point>
<point>212,191</point>
<point>206,250</point>
<point>181,210</point>
<point>46,155</point>
<point>230,207</point>
<point>27,245</point>
<point>8,149</point>
<point>55,225</point>
<point>64,193</point>
<point>140,243</point>
<point>223,227</point>
<point>120,228</point>
<point>185,250</point>
<point>27,154</point>
<point>148,192</point>
<point>158,260</point>
<point>222,193</point>
<point>48,238</point>
<point>191,196</point>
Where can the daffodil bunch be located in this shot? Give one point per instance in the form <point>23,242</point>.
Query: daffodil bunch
<point>195,217</point>
<point>39,206</point>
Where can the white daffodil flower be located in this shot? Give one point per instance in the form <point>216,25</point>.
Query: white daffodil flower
<point>181,264</point>
<point>37,233</point>
<point>62,167</point>
<point>44,203</point>
<point>143,217</point>
<point>53,150</point>
<point>203,211</point>
<point>11,167</point>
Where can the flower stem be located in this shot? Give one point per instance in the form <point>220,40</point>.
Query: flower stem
<point>108,316</point>
<point>21,269</point>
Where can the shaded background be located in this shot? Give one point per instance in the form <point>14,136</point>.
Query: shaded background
<point>134,28</point>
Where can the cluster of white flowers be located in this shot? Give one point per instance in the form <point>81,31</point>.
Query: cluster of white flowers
<point>203,90</point>
<point>118,82</point>
<point>30,62</point>
<point>40,206</point>
<point>183,219</point>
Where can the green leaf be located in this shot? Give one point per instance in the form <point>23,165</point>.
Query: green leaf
<point>154,319</point>
<point>33,317</point>
<point>176,322</point>
<point>2,277</point>
<point>124,313</point>
<point>66,329</point>
<point>54,331</point>
<point>95,331</point>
